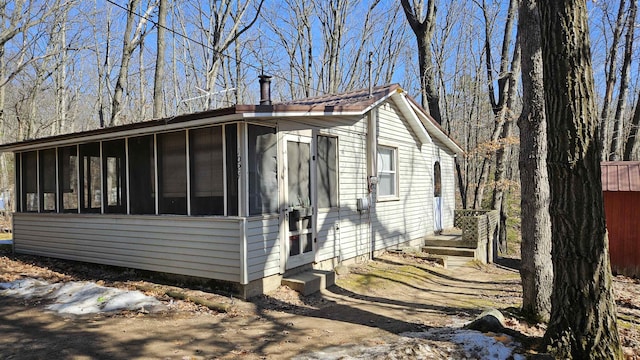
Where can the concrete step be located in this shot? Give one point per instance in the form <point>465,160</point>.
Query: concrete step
<point>450,251</point>
<point>458,243</point>
<point>311,281</point>
<point>457,261</point>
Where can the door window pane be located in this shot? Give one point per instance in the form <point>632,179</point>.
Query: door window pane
<point>327,174</point>
<point>172,173</point>
<point>298,157</point>
<point>263,170</point>
<point>207,180</point>
<point>142,175</point>
<point>68,178</point>
<point>48,180</point>
<point>114,165</point>
<point>90,178</point>
<point>437,181</point>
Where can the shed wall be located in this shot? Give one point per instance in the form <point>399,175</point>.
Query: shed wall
<point>203,247</point>
<point>621,210</point>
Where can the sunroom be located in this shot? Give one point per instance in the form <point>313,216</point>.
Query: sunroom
<point>196,197</point>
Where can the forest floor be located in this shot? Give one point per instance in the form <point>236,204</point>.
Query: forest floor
<point>398,306</point>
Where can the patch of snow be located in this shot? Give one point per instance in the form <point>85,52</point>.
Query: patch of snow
<point>438,343</point>
<point>476,345</point>
<point>81,297</point>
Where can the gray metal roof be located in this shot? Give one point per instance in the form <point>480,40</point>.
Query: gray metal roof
<point>620,175</point>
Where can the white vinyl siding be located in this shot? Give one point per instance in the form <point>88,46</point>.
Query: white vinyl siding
<point>328,245</point>
<point>193,246</point>
<point>263,247</point>
<point>411,218</point>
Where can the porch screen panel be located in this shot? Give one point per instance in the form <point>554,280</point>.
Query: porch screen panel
<point>115,184</point>
<point>68,178</point>
<point>172,173</point>
<point>30,181</point>
<point>207,169</point>
<point>263,170</point>
<point>48,180</point>
<point>90,178</point>
<point>327,174</point>
<point>18,181</point>
<point>142,175</point>
<point>231,147</point>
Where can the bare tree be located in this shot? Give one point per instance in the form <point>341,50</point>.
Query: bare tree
<point>583,315</point>
<point>131,40</point>
<point>501,181</point>
<point>631,145</point>
<point>332,15</point>
<point>618,120</point>
<point>611,78</point>
<point>498,105</point>
<point>225,26</point>
<point>422,22</point>
<point>159,77</point>
<point>292,26</point>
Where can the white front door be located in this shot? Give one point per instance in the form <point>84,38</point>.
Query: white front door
<point>437,197</point>
<point>299,202</point>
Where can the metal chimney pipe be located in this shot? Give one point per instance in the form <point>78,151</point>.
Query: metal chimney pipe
<point>265,89</point>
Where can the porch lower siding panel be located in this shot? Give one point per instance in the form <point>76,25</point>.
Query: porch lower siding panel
<point>194,246</point>
<point>263,247</point>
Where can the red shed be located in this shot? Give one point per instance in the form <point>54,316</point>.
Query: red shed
<point>621,190</point>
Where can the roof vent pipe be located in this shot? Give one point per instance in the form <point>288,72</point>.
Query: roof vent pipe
<point>265,89</point>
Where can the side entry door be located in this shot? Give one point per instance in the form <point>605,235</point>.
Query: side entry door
<point>299,205</point>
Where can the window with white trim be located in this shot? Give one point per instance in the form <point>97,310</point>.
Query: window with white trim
<point>387,172</point>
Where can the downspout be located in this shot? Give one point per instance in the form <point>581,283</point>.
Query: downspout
<point>372,172</point>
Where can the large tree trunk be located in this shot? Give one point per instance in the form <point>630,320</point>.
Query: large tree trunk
<point>536,268</point>
<point>583,314</point>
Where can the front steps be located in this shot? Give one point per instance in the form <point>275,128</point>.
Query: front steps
<point>310,281</point>
<point>451,247</point>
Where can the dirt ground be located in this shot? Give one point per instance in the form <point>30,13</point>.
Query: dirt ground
<point>368,307</point>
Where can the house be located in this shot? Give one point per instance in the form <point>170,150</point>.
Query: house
<point>621,192</point>
<point>242,194</point>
